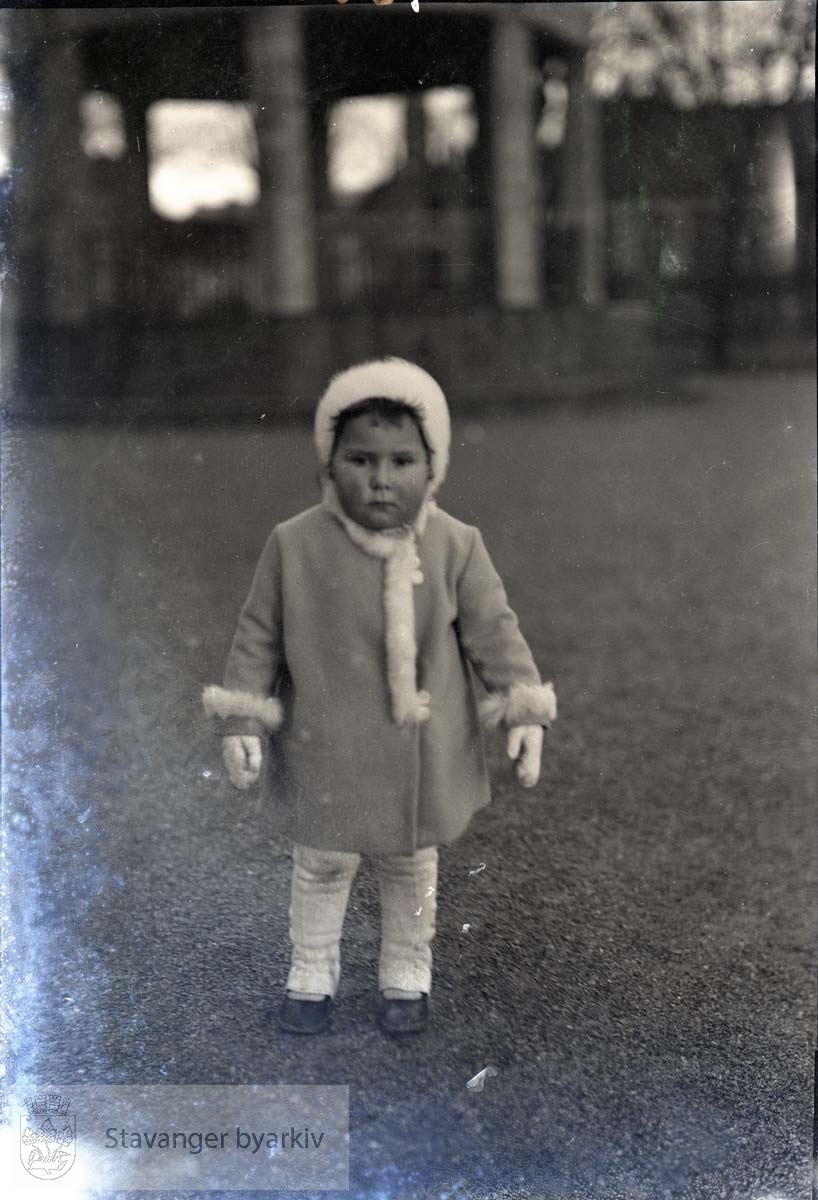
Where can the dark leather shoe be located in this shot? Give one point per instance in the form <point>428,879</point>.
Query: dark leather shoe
<point>304,1016</point>
<point>398,1018</point>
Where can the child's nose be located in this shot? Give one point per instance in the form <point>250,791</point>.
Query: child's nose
<point>381,475</point>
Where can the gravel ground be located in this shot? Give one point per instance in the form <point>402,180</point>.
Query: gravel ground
<point>639,962</point>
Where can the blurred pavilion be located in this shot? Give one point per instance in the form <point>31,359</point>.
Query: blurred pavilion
<point>215,208</point>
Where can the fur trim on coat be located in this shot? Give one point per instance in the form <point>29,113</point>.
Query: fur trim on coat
<point>397,548</point>
<point>525,704</point>
<point>221,702</point>
<point>392,379</point>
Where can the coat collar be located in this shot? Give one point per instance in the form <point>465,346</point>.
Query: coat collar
<point>378,544</point>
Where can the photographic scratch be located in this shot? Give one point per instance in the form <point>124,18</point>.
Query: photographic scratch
<point>478,1081</point>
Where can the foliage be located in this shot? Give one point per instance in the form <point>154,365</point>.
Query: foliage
<point>695,52</point>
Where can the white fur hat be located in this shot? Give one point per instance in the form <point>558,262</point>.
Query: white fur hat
<point>392,379</point>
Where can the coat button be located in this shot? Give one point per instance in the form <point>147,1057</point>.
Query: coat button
<point>417,577</point>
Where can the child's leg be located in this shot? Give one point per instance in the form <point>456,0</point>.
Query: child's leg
<point>408,886</point>
<point>320,890</point>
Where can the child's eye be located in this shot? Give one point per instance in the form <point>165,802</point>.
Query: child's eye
<point>358,460</point>
<point>405,460</point>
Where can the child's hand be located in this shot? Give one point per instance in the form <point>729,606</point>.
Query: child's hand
<point>525,745</point>
<point>242,757</point>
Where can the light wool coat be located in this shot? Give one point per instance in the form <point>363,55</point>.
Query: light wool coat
<point>343,773</point>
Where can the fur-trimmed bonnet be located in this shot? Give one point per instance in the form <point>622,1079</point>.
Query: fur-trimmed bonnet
<point>389,379</point>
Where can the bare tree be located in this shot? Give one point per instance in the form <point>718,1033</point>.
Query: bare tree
<point>695,52</point>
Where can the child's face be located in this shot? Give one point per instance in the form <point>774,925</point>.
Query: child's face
<point>381,471</point>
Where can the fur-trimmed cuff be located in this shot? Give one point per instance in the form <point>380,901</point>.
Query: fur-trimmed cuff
<point>221,702</point>
<point>524,704</point>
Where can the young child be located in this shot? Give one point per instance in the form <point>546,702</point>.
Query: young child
<point>368,617</point>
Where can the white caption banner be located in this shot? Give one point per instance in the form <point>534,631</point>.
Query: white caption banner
<point>92,1137</point>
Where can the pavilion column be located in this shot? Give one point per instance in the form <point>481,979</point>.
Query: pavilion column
<point>283,265</point>
<point>582,208</point>
<point>63,174</point>
<point>772,196</point>
<point>120,271</point>
<point>516,186</point>
<point>803,145</point>
<point>21,278</point>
